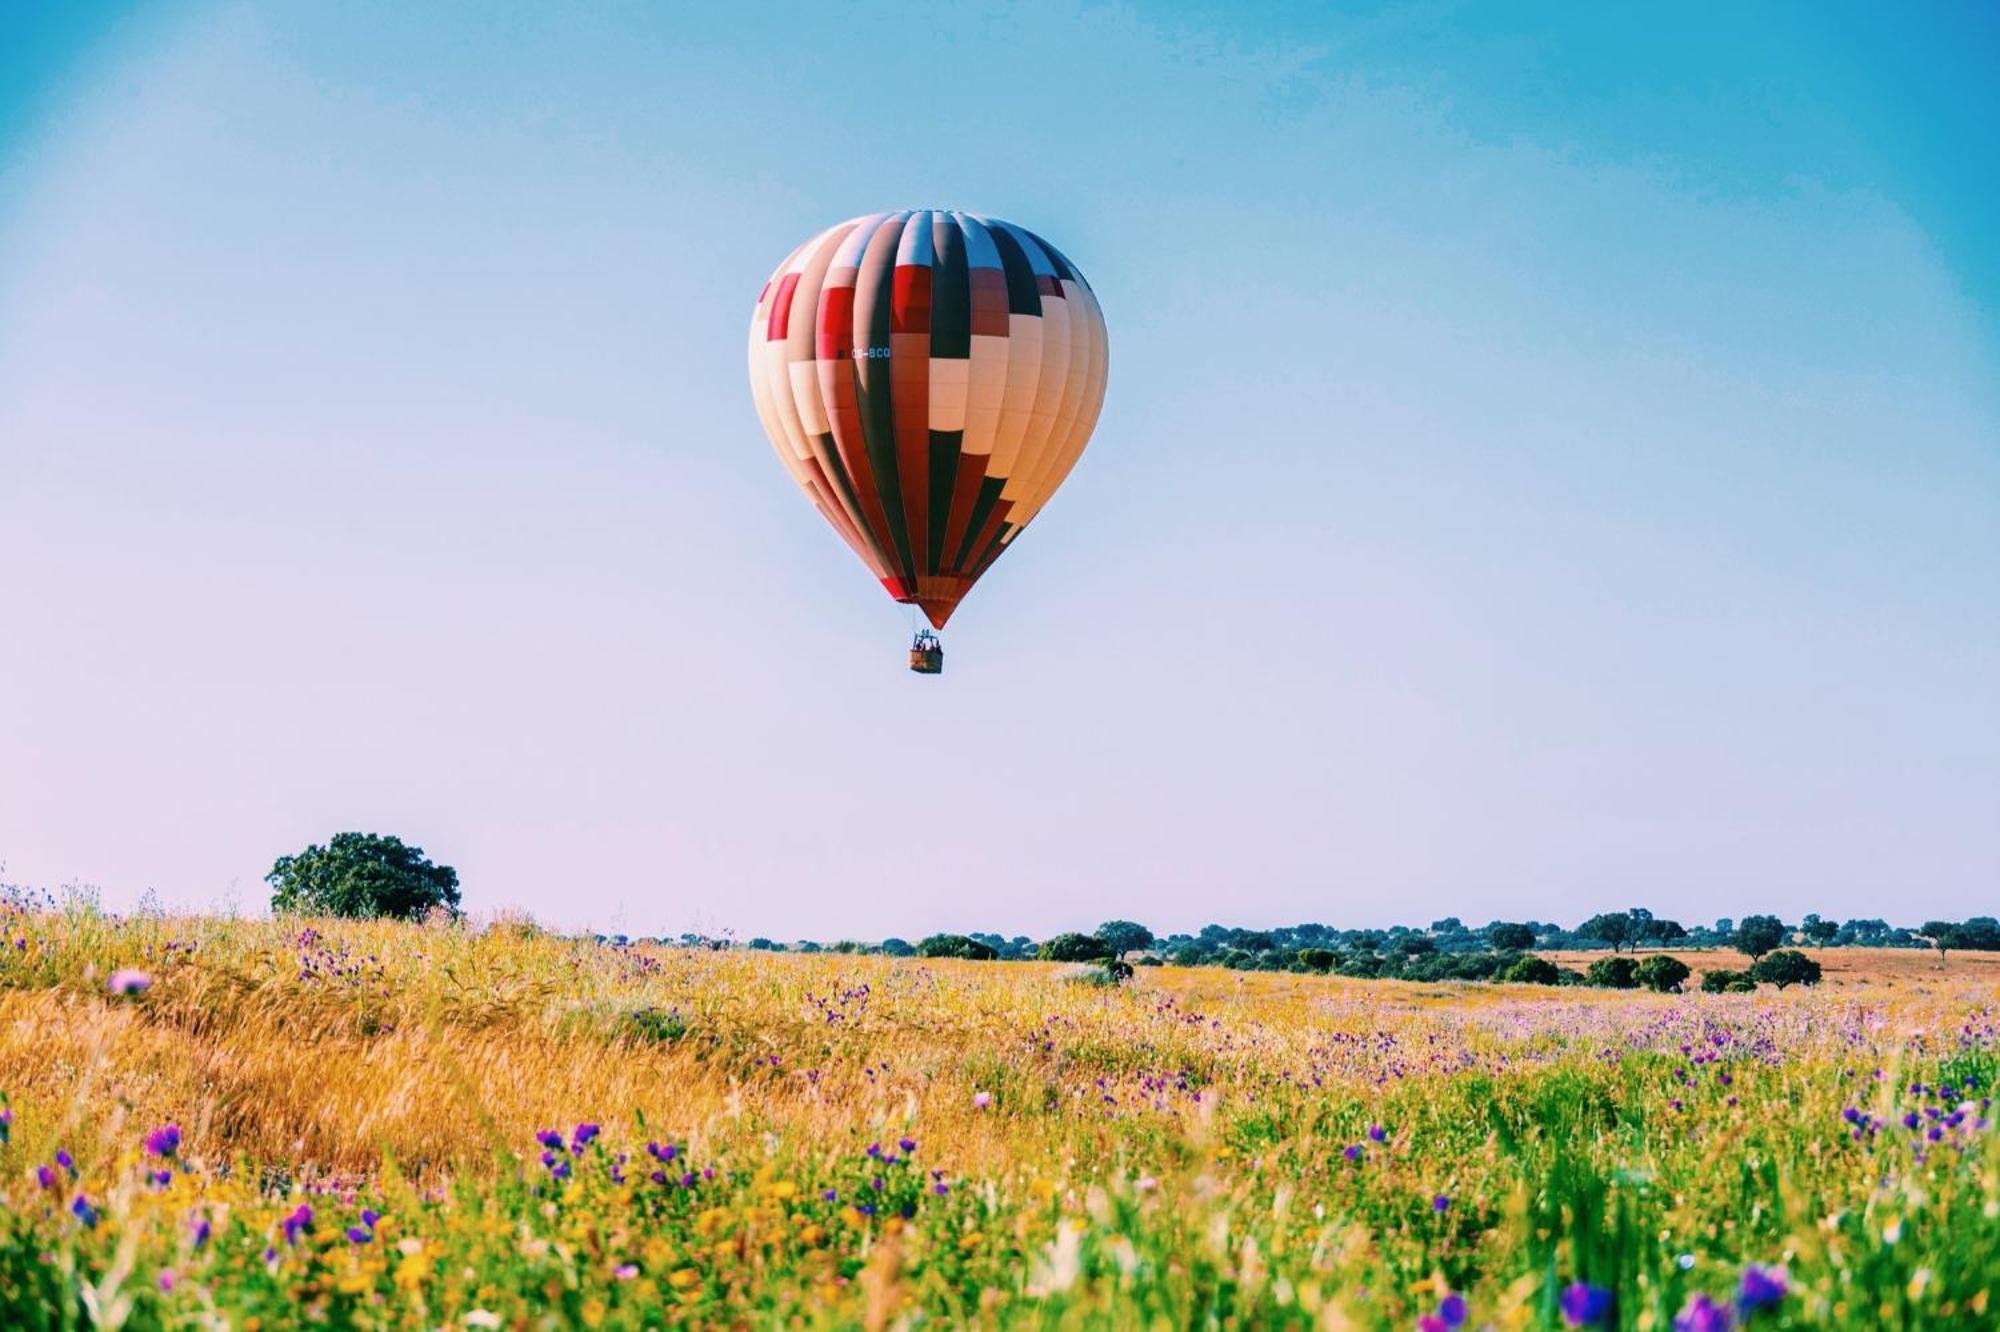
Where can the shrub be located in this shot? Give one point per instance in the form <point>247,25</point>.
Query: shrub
<point>955,945</point>
<point>1724,981</point>
<point>1317,959</point>
<point>1073,947</point>
<point>1616,973</point>
<point>1662,973</point>
<point>1787,966</point>
<point>1104,972</point>
<point>1532,971</point>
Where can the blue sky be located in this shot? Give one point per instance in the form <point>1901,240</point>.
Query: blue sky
<point>1551,462</point>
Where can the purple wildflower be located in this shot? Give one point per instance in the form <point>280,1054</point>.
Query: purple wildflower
<point>66,1161</point>
<point>1452,1311</point>
<point>625,1271</point>
<point>1585,1305</point>
<point>360,1235</point>
<point>940,1188</point>
<point>167,1279</point>
<point>164,1141</point>
<point>980,1100</point>
<point>6,1124</point>
<point>202,1230</point>
<point>84,1212</point>
<point>585,1134</point>
<point>550,1139</point>
<point>129,981</point>
<point>1762,1287</point>
<point>1376,1133</point>
<point>907,1144</point>
<point>45,1177</point>
<point>299,1221</point>
<point>369,1216</point>
<point>1441,1203</point>
<point>1353,1153</point>
<point>831,1195</point>
<point>1702,1314</point>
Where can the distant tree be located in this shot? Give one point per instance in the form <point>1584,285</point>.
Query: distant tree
<point>763,945</point>
<point>1980,934</point>
<point>955,945</point>
<point>1449,925</point>
<point>1317,959</point>
<point>895,947</point>
<point>1256,942</point>
<point>1363,965</point>
<point>1532,971</point>
<point>1939,934</point>
<point>1865,931</point>
<point>1364,941</point>
<point>1612,927</point>
<point>1723,981</point>
<point>1661,972</point>
<point>1415,945</point>
<point>1787,966</point>
<point>362,875</point>
<point>1188,955</point>
<point>1758,935</point>
<point>1614,972</point>
<point>1819,930</point>
<point>806,946</point>
<point>1074,947</point>
<point>1510,938</point>
<point>1656,930</point>
<point>1124,936</point>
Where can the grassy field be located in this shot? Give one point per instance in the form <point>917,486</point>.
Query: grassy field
<point>280,1122</point>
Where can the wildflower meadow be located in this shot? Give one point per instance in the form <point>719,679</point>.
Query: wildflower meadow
<point>265,1124</point>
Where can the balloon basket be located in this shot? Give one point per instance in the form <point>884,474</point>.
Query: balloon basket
<point>927,654</point>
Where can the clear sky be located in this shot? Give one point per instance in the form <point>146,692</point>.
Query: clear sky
<point>1551,462</point>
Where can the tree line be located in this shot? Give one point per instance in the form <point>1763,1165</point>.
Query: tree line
<point>365,874</point>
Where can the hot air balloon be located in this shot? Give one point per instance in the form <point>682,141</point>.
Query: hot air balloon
<point>928,378</point>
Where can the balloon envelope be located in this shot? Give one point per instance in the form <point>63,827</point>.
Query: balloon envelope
<point>928,378</point>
